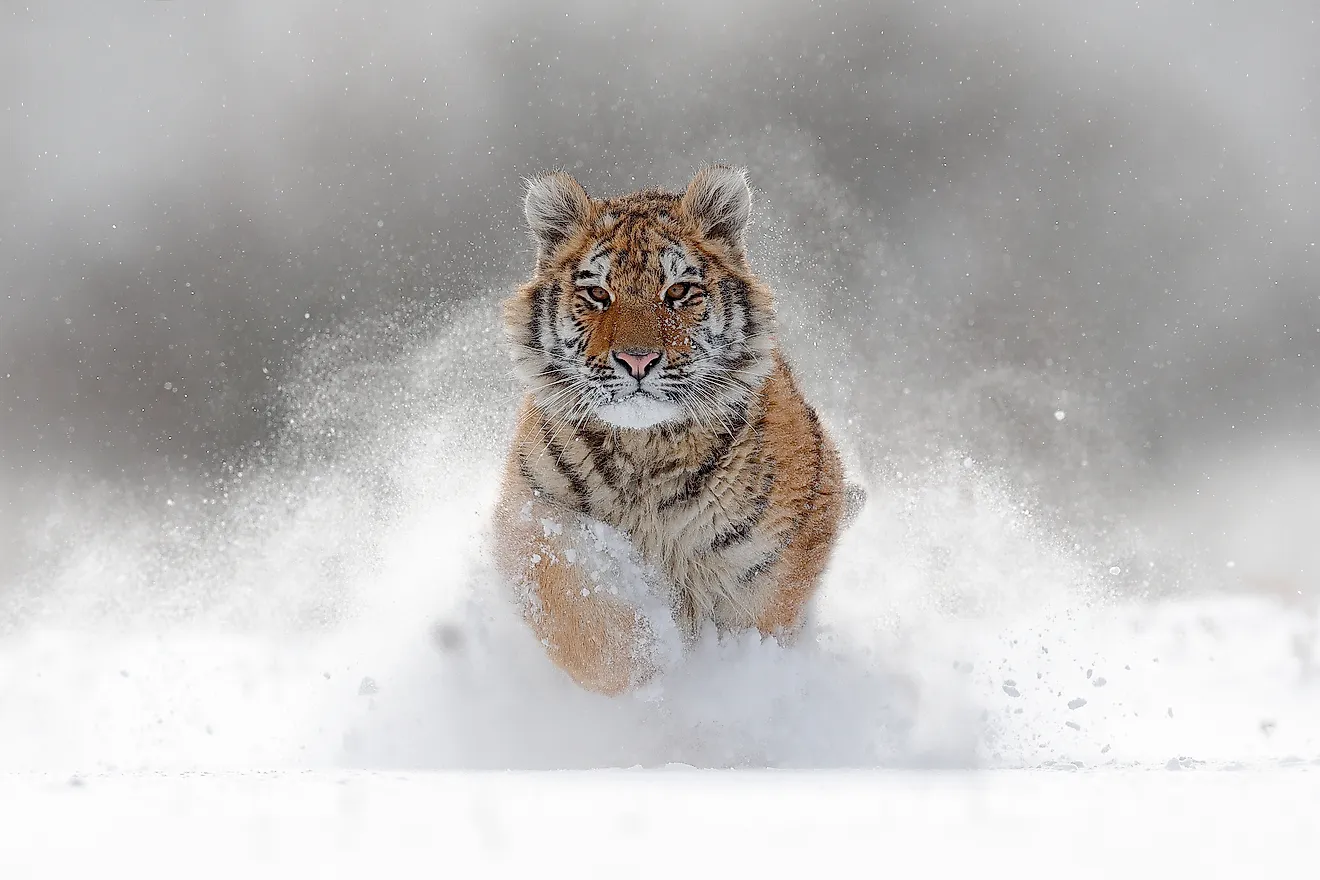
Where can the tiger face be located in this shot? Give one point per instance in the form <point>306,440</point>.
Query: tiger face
<point>642,311</point>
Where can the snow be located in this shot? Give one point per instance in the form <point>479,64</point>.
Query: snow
<point>303,663</point>
<point>975,691</point>
<point>995,658</point>
<point>957,628</point>
<point>662,823</point>
<point>321,680</point>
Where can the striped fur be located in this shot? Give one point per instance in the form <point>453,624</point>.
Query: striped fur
<point>708,489</point>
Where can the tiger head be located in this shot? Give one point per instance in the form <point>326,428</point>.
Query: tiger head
<point>642,310</point>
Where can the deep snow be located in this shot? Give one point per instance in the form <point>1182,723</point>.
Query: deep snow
<point>1047,269</point>
<point>340,612</point>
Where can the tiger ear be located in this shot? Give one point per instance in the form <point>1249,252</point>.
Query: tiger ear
<point>720,200</point>
<point>555,206</point>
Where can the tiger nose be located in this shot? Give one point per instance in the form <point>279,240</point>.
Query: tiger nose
<point>636,360</point>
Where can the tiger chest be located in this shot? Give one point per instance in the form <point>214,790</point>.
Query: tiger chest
<point>709,538</point>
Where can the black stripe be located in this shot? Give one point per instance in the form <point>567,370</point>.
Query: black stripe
<point>605,464</point>
<point>761,567</point>
<point>738,415</point>
<point>730,293</point>
<point>577,344</point>
<point>566,470</point>
<point>726,316</point>
<point>739,294</point>
<point>742,530</point>
<point>526,470</point>
<point>702,341</point>
<point>549,295</point>
<point>542,314</point>
<point>696,482</point>
<point>742,361</point>
<point>534,322</point>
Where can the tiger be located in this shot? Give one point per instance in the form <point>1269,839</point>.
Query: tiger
<point>666,472</point>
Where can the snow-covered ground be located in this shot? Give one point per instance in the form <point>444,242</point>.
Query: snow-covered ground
<point>662,823</point>
<point>1049,732</point>
<point>319,680</point>
<point>1047,269</point>
<point>953,631</point>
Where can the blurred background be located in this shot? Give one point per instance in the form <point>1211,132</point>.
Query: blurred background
<point>1076,244</point>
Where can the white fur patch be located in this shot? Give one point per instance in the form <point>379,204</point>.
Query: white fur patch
<point>594,268</point>
<point>679,265</point>
<point>639,412</point>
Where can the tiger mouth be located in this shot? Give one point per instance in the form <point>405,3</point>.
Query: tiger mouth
<point>642,393</point>
<point>640,409</point>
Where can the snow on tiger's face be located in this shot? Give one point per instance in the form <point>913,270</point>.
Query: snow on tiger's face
<point>642,310</point>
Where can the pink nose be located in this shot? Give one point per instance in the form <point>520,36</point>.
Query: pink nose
<point>637,360</point>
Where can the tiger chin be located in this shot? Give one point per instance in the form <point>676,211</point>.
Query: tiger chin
<point>666,471</point>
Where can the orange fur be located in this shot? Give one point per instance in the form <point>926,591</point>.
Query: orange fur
<point>734,505</point>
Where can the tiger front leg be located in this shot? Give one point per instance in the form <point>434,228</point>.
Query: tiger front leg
<point>599,641</point>
<point>592,604</point>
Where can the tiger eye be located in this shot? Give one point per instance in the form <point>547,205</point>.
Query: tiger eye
<point>597,294</point>
<point>680,291</point>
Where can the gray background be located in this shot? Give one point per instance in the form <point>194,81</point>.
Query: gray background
<point>974,214</point>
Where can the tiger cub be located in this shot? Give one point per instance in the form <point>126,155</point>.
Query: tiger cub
<point>666,470</point>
